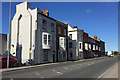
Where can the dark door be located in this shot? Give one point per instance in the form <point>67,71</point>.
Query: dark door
<point>53,57</point>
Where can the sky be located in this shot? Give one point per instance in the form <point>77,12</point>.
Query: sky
<point>95,18</point>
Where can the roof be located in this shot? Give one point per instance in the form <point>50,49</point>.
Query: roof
<point>58,21</point>
<point>46,16</point>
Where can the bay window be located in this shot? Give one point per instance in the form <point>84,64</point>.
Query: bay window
<point>46,40</point>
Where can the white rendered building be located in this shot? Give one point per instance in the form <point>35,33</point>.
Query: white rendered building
<point>75,43</point>
<point>33,35</point>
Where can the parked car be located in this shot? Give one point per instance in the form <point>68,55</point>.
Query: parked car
<point>12,62</point>
<point>111,55</point>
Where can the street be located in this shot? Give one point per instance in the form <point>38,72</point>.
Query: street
<point>92,68</point>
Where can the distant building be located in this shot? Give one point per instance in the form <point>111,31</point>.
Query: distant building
<point>61,41</point>
<point>98,47</point>
<point>33,35</point>
<point>75,43</point>
<point>102,48</point>
<point>85,45</point>
<point>3,43</point>
<point>90,47</point>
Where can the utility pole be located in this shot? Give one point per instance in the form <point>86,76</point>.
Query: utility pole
<point>9,35</point>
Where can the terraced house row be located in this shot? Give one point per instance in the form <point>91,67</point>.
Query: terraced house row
<point>37,36</point>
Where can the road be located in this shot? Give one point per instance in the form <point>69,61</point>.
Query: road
<point>93,68</point>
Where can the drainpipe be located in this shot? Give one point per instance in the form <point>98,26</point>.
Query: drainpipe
<point>30,35</point>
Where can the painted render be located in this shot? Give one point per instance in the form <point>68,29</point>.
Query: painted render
<point>27,35</point>
<point>75,52</point>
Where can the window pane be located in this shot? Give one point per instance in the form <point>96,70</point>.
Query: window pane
<point>45,39</point>
<point>80,45</point>
<point>45,36</point>
<point>44,24</point>
<point>52,26</point>
<point>65,32</point>
<point>48,36</point>
<point>70,45</point>
<point>59,29</point>
<point>70,35</point>
<point>49,42</point>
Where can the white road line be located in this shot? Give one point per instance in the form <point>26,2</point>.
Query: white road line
<point>89,64</point>
<point>65,67</point>
<point>104,73</point>
<point>53,70</point>
<point>39,75</point>
<point>58,72</point>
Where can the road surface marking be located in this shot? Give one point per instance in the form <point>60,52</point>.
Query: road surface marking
<point>105,73</point>
<point>39,75</point>
<point>65,67</point>
<point>58,72</point>
<point>53,70</point>
<point>89,64</point>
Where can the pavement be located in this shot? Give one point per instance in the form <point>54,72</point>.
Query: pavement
<point>87,68</point>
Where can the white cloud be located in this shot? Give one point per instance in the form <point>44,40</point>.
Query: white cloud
<point>88,11</point>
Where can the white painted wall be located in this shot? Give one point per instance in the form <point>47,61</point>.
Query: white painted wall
<point>30,34</point>
<point>76,39</point>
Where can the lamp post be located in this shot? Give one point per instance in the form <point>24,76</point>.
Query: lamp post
<point>9,36</point>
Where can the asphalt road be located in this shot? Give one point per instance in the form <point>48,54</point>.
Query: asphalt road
<point>76,69</point>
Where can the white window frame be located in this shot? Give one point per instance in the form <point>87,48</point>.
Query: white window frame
<point>90,46</point>
<point>86,46</point>
<point>94,47</point>
<point>70,36</point>
<point>48,34</point>
<point>99,48</point>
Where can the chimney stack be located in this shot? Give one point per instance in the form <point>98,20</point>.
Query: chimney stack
<point>46,12</point>
<point>95,37</point>
<point>75,26</point>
